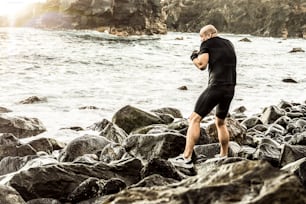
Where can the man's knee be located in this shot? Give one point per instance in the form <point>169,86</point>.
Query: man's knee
<point>195,118</point>
<point>219,122</point>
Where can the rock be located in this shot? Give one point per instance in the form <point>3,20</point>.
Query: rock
<point>161,167</point>
<point>99,126</point>
<point>297,49</point>
<point>236,131</point>
<point>249,182</point>
<point>44,201</point>
<point>291,153</point>
<point>59,180</point>
<point>74,128</point>
<point>183,88</point>
<point>176,113</point>
<point>289,80</point>
<point>11,164</point>
<point>21,127</point>
<point>42,144</point>
<point>8,195</point>
<point>13,151</point>
<point>271,114</point>
<point>112,186</point>
<point>5,110</point>
<point>298,168</point>
<point>283,121</point>
<point>112,152</point>
<point>298,139</point>
<point>89,188</point>
<point>8,139</point>
<point>245,40</point>
<point>34,99</point>
<point>130,118</point>
<point>88,108</point>
<point>269,151</point>
<point>114,133</point>
<point>251,122</point>
<point>147,147</point>
<point>79,146</point>
<point>154,180</point>
<point>240,109</point>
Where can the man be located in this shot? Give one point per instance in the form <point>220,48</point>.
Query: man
<point>219,54</point>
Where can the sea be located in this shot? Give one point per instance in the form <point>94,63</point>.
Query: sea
<point>73,69</point>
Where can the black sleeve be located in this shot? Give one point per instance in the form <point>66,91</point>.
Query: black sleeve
<point>204,48</point>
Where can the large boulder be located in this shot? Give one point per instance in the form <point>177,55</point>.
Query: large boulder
<point>20,126</point>
<point>130,118</point>
<point>254,182</point>
<point>150,146</point>
<point>87,144</point>
<point>60,180</point>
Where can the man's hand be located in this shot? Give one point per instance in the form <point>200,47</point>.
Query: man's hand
<point>194,55</point>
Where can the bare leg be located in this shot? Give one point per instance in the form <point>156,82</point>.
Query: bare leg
<point>193,134</point>
<point>223,136</point>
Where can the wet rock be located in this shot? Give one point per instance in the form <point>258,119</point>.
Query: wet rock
<point>271,114</point>
<point>147,147</point>
<point>44,201</point>
<point>247,183</point>
<point>245,40</point>
<point>8,139</point>
<point>42,144</point>
<point>240,109</point>
<point>34,99</point>
<point>114,133</point>
<point>268,150</point>
<point>88,108</point>
<point>171,111</point>
<point>74,128</point>
<point>298,139</point>
<point>154,180</point>
<point>284,121</point>
<point>5,110</point>
<point>161,167</point>
<point>8,195</point>
<point>292,153</point>
<point>236,131</point>
<point>289,80</point>
<point>86,144</point>
<point>99,126</point>
<point>21,127</point>
<point>251,122</point>
<point>112,152</point>
<point>11,164</point>
<point>298,168</point>
<point>183,88</point>
<point>59,180</point>
<point>297,49</point>
<point>129,118</point>
<point>13,150</point>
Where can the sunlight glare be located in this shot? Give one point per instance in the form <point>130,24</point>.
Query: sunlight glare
<point>10,8</point>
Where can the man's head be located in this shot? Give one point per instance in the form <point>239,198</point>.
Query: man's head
<point>208,32</point>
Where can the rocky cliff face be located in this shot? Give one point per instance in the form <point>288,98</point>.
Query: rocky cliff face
<point>277,18</point>
<point>121,17</point>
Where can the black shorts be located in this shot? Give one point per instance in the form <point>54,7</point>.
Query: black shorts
<point>220,96</point>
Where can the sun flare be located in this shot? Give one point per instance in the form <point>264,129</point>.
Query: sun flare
<point>10,8</point>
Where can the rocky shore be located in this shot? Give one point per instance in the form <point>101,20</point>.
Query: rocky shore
<point>274,18</point>
<point>127,160</point>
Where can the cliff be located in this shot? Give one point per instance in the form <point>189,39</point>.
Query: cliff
<point>276,18</point>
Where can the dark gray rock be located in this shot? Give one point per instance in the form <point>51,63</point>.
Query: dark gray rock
<point>42,144</point>
<point>21,127</point>
<point>154,180</point>
<point>59,180</point>
<point>112,152</point>
<point>114,133</point>
<point>87,144</point>
<point>130,118</point>
<point>251,122</point>
<point>147,147</point>
<point>175,113</point>
<point>298,168</point>
<point>249,182</point>
<point>14,151</point>
<point>11,164</point>
<point>44,201</point>
<point>34,99</point>
<point>5,110</point>
<point>298,139</point>
<point>8,139</point>
<point>292,153</point>
<point>237,132</point>
<point>271,114</point>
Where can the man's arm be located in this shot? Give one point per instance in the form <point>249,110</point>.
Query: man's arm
<point>201,61</point>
